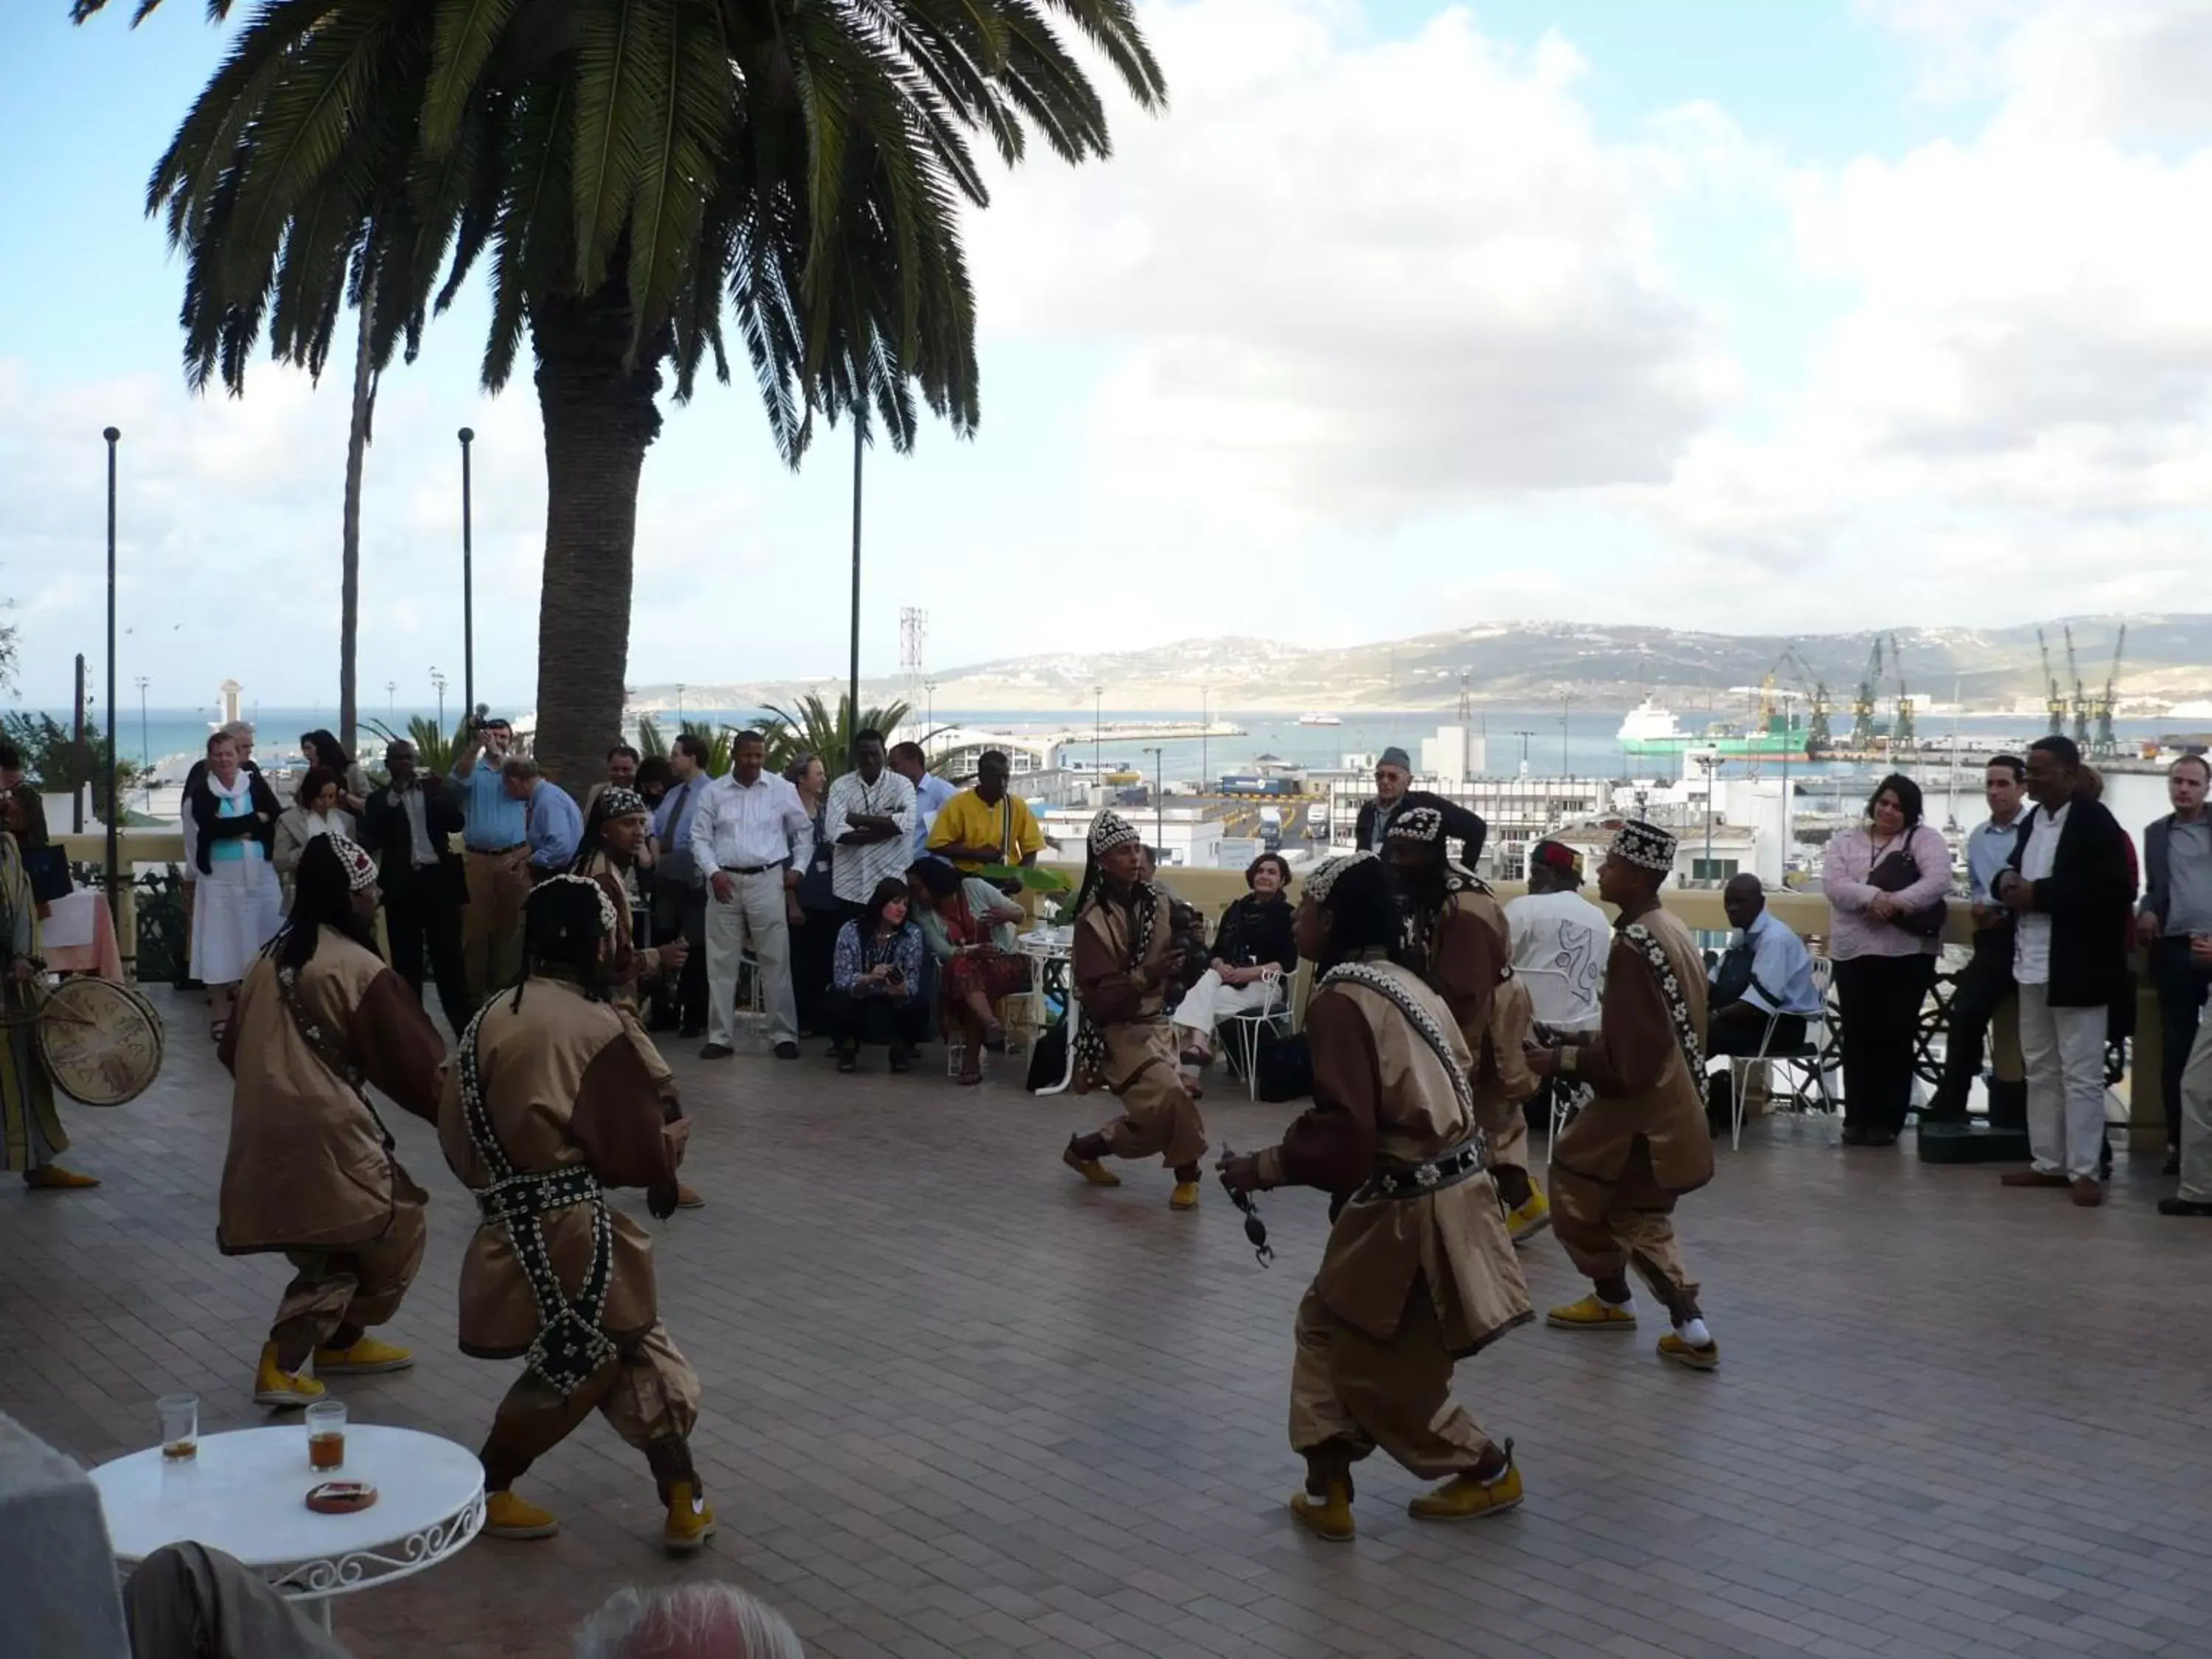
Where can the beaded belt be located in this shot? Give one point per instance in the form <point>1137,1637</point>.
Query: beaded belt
<point>523,1197</point>
<point>1446,1170</point>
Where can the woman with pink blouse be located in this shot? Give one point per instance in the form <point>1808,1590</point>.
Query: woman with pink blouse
<point>1878,876</point>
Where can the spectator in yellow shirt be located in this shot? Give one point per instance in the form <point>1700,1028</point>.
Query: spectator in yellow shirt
<point>987,825</point>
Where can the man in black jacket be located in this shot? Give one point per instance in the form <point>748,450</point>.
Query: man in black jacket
<point>409,826</point>
<point>2176,914</point>
<point>2071,887</point>
<point>1371,829</point>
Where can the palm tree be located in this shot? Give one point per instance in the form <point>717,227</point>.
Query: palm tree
<point>810,728</point>
<point>630,166</point>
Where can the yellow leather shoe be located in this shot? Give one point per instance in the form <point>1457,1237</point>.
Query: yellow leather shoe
<point>52,1178</point>
<point>1185,1196</point>
<point>1465,1497</point>
<point>690,1523</point>
<point>506,1516</point>
<point>1089,1167</point>
<point>1591,1315</point>
<point>367,1358</point>
<point>1531,1219</point>
<point>274,1386</point>
<point>1677,1351</point>
<point>1328,1516</point>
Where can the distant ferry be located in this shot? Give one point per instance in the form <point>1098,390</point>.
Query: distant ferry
<point>1651,729</point>
<point>1319,719</point>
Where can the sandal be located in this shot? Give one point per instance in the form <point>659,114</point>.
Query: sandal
<point>218,1029</point>
<point>849,1063</point>
<point>994,1037</point>
<point>970,1079</point>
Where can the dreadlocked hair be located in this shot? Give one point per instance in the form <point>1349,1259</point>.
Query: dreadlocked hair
<point>1362,913</point>
<point>561,934</point>
<point>322,897</point>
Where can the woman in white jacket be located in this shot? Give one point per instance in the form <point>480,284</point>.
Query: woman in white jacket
<point>316,812</point>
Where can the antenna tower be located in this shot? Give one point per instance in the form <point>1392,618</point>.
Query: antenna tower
<point>913,633</point>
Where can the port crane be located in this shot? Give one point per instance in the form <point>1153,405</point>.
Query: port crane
<point>2080,704</point>
<point>2106,742</point>
<point>1900,735</point>
<point>2054,699</point>
<point>1863,732</point>
<point>1817,704</point>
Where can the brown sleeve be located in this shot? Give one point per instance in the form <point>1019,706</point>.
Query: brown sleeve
<point>1637,1035</point>
<point>1469,961</point>
<point>400,1050</point>
<point>619,1117</point>
<point>1100,979</point>
<point>1331,1144</point>
<point>625,966</point>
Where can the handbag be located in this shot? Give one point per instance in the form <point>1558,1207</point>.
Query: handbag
<point>49,872</point>
<point>1898,871</point>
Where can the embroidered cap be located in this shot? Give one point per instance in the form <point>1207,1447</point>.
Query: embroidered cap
<point>616,802</point>
<point>1423,825</point>
<point>1557,855</point>
<point>1325,874</point>
<point>1644,845</point>
<point>554,882</point>
<point>1109,830</point>
<point>354,859</point>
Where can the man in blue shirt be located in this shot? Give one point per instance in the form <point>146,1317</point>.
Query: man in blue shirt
<point>930,792</point>
<point>553,824</point>
<point>1984,983</point>
<point>679,890</point>
<point>495,831</point>
<point>1765,977</point>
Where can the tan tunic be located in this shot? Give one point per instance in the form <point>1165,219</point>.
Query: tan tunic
<point>564,1084</point>
<point>1130,1013</point>
<point>1636,1068</point>
<point>308,1168</point>
<point>1383,1101</point>
<point>1471,967</point>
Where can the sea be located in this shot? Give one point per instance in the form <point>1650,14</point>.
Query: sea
<point>1584,743</point>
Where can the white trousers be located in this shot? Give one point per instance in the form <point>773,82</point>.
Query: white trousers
<point>754,919</point>
<point>2197,1119</point>
<point>1209,1002</point>
<point>2063,1050</point>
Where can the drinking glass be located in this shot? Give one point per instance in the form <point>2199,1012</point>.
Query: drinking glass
<point>326,1421</point>
<point>181,1426</point>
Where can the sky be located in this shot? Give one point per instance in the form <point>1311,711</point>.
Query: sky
<point>1724,313</point>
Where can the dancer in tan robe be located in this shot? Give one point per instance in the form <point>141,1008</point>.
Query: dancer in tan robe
<point>1619,1168</point>
<point>547,1102</point>
<point>1419,1272</point>
<point>310,1171</point>
<point>1124,958</point>
<point>1456,939</point>
<point>614,845</point>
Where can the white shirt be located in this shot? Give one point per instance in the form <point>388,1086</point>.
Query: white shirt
<point>855,871</point>
<point>2031,945</point>
<point>740,827</point>
<point>418,827</point>
<point>1561,943</point>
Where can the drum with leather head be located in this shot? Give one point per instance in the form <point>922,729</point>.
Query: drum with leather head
<point>102,1042</point>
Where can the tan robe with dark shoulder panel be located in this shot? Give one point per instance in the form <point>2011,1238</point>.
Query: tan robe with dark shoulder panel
<point>1142,1068</point>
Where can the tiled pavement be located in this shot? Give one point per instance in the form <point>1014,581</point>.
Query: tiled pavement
<point>959,1404</point>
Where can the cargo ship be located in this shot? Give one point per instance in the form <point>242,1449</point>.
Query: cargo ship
<point>1651,728</point>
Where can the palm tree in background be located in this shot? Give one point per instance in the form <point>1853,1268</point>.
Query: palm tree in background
<point>630,167</point>
<point>810,727</point>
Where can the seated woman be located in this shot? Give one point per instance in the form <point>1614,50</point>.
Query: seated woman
<point>1255,935</point>
<point>968,926</point>
<point>316,812</point>
<point>875,981</point>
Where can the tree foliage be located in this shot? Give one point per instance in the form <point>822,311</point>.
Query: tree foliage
<point>54,760</point>
<point>810,728</point>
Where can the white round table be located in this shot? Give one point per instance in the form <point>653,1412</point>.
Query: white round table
<point>245,1495</point>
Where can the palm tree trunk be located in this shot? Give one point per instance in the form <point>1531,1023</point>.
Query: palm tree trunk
<point>364,408</point>
<point>599,419</point>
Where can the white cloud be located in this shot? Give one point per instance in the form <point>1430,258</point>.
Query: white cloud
<point>1362,280</point>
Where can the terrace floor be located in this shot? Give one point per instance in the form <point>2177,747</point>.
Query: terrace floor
<point>959,1407</point>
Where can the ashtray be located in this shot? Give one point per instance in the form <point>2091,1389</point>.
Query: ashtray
<point>341,1496</point>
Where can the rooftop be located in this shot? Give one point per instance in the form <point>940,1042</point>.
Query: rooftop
<point>959,1407</point>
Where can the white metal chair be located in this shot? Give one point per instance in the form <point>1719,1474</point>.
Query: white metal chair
<point>1244,1030</point>
<point>1074,1025</point>
<point>1806,1061</point>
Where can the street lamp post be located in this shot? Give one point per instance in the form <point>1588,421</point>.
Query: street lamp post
<point>468,590</point>
<point>438,680</point>
<point>1098,735</point>
<point>1205,734</point>
<point>145,745</point>
<point>1567,701</point>
<point>114,807</point>
<point>929,707</point>
<point>1710,763</point>
<point>1524,737</point>
<point>1159,797</point>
